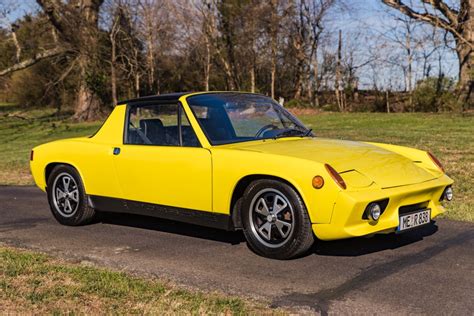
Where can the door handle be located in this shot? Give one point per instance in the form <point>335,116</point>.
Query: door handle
<point>116,151</point>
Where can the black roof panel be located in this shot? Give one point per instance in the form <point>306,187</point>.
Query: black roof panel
<point>161,97</point>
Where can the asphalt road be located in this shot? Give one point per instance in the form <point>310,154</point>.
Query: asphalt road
<point>428,271</point>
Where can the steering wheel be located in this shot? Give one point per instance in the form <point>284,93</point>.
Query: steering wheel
<point>264,129</point>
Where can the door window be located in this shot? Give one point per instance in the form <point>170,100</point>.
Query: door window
<point>160,125</point>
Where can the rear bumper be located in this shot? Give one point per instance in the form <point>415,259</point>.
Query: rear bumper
<point>346,220</point>
<point>38,174</point>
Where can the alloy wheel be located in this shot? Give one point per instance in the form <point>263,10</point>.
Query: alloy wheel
<point>65,194</point>
<point>271,217</point>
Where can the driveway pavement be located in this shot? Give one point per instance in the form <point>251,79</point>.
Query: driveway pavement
<point>427,271</point>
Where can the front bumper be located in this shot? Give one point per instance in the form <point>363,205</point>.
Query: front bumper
<point>346,220</point>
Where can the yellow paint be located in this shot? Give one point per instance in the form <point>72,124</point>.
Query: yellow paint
<point>177,176</point>
<point>205,178</point>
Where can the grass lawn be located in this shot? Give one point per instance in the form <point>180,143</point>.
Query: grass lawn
<point>20,131</point>
<point>35,282</point>
<point>449,136</point>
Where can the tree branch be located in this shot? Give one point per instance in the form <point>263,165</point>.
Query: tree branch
<point>449,13</point>
<point>434,20</point>
<point>30,62</point>
<point>50,8</point>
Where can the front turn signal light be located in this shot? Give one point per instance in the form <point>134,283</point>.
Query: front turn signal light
<point>318,182</point>
<point>436,161</point>
<point>335,176</point>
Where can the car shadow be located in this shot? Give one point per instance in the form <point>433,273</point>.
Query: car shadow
<point>346,247</point>
<point>173,227</point>
<point>365,245</point>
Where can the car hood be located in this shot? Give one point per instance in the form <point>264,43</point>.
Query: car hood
<point>355,161</point>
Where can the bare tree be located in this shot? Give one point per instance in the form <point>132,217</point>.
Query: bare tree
<point>219,30</point>
<point>114,30</point>
<point>273,32</point>
<point>338,85</point>
<point>315,13</point>
<point>76,23</point>
<point>208,30</point>
<point>459,22</point>
<point>153,24</point>
<point>5,10</point>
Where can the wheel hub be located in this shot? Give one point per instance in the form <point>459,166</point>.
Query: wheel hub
<point>271,218</point>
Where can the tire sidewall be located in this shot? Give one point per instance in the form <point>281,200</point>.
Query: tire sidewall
<point>300,226</point>
<point>75,219</point>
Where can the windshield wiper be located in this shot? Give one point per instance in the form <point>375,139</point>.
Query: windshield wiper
<point>290,132</point>
<point>293,132</point>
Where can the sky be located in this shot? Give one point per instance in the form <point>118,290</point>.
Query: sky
<point>364,24</point>
<point>377,21</point>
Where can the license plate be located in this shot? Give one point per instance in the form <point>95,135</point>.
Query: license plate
<point>414,219</point>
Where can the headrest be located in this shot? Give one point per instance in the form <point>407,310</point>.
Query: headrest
<point>146,124</point>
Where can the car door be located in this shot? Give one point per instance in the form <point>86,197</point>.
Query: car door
<point>161,161</point>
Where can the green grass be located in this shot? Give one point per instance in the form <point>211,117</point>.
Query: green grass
<point>35,282</point>
<point>20,131</point>
<point>449,136</point>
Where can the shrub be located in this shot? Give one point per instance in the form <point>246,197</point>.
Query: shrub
<point>295,103</point>
<point>330,107</point>
<point>38,86</point>
<point>435,95</point>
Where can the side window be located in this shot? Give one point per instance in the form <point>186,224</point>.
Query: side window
<point>215,122</point>
<point>189,138</point>
<point>158,125</point>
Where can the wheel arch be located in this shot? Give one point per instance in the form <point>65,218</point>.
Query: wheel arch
<point>50,166</point>
<point>239,190</point>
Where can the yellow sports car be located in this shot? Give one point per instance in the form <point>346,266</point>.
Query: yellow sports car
<point>239,161</point>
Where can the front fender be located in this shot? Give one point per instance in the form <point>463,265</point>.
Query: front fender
<point>420,157</point>
<point>230,166</point>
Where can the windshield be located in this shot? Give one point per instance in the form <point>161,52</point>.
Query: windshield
<point>236,117</point>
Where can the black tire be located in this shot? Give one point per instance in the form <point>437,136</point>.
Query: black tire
<point>266,242</point>
<point>74,213</point>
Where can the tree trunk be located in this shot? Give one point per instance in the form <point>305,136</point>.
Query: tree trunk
<point>87,107</point>
<point>301,57</point>
<point>113,80</point>
<point>88,104</point>
<point>113,75</point>
<point>317,81</point>
<point>252,78</point>
<point>228,72</point>
<point>387,100</point>
<point>151,64</point>
<point>409,78</point>
<point>16,43</point>
<point>466,59</point>
<point>337,83</point>
<point>207,66</point>
<point>466,76</point>
<point>137,85</point>
<point>273,30</point>
<point>309,87</point>
<point>273,74</point>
